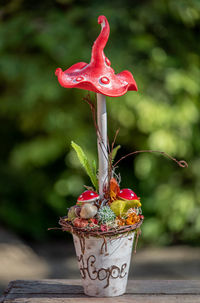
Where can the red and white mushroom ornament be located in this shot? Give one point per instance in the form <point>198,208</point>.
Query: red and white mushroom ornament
<point>98,76</point>
<point>127,194</point>
<point>88,209</point>
<point>87,197</point>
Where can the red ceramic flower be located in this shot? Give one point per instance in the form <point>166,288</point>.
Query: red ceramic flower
<point>97,76</point>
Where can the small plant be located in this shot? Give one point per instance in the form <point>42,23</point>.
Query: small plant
<point>105,215</point>
<point>90,169</point>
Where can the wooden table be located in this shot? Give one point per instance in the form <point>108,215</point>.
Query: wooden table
<point>140,291</point>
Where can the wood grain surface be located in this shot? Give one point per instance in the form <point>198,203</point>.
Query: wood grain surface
<point>140,291</point>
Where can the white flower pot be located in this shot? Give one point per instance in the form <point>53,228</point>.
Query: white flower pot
<point>104,264</point>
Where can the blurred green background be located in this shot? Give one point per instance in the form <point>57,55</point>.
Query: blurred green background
<point>40,175</point>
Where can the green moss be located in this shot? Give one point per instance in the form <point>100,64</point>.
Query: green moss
<point>105,215</point>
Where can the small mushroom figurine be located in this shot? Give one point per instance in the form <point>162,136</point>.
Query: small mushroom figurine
<point>87,197</point>
<point>126,201</point>
<point>127,194</point>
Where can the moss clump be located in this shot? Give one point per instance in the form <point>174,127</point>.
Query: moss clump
<point>105,215</point>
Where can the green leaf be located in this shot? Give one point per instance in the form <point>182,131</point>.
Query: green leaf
<point>114,152</point>
<point>94,166</point>
<point>120,207</point>
<point>90,170</point>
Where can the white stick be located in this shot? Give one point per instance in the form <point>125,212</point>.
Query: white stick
<point>102,142</point>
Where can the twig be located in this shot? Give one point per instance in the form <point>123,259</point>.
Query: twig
<point>181,163</point>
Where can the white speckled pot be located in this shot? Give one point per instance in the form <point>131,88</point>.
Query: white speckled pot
<point>104,265</point>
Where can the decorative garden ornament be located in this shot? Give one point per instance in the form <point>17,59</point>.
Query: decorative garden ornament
<point>104,225</point>
<point>127,194</point>
<point>98,76</point>
<point>88,196</point>
<point>99,241</point>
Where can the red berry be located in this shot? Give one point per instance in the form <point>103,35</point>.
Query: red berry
<point>94,221</point>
